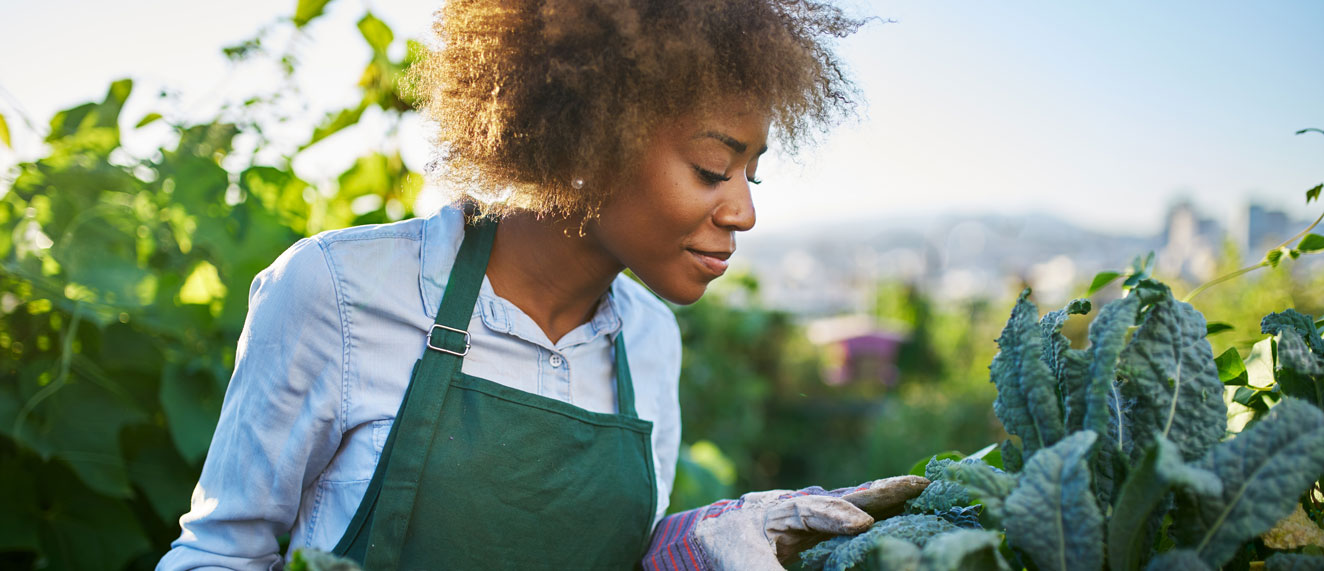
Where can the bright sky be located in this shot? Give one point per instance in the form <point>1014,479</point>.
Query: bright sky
<point>1102,113</point>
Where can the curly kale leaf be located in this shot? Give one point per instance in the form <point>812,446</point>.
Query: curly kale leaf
<point>939,496</point>
<point>890,554</point>
<point>1027,401</point>
<point>1141,502</point>
<point>1070,366</point>
<point>1052,516</point>
<point>1178,560</point>
<point>1264,470</point>
<point>962,550</point>
<point>1106,411</point>
<point>1293,562</point>
<point>1300,366</point>
<point>986,484</point>
<point>315,560</point>
<point>966,517</point>
<point>847,551</point>
<point>1169,371</point>
<point>1291,320</point>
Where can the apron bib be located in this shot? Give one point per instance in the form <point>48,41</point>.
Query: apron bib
<point>478,475</point>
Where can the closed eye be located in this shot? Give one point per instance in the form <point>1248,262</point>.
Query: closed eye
<point>753,180</point>
<point>710,177</point>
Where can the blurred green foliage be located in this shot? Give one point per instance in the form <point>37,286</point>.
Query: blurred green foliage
<point>123,292</point>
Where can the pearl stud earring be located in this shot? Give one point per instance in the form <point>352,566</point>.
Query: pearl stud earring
<point>578,183</point>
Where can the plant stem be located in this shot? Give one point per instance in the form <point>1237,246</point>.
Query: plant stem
<point>1221,279</point>
<point>1248,269</point>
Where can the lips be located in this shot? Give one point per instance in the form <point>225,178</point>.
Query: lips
<point>713,261</point>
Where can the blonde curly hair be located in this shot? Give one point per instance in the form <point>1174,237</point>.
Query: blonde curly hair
<point>543,104</point>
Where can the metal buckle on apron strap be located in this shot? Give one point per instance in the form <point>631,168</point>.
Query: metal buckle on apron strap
<point>443,349</point>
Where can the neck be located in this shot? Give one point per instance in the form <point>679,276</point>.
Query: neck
<point>547,269</point>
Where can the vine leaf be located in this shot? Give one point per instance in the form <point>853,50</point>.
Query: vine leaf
<point>1051,516</point>
<point>308,10</point>
<point>1231,368</point>
<point>1311,243</point>
<point>1263,470</point>
<point>1101,280</point>
<point>4,133</point>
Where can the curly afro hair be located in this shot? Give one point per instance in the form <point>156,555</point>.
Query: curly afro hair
<point>529,95</point>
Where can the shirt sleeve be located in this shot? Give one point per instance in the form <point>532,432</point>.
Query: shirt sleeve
<point>279,423</point>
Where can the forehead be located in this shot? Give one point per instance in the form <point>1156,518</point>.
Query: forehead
<point>735,123</point>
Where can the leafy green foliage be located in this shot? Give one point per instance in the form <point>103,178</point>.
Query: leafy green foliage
<point>315,560</point>
<point>939,496</point>
<point>124,291</point>
<point>1141,501</point>
<point>1052,515</point>
<point>1262,470</point>
<point>1298,354</point>
<point>1293,562</point>
<point>1027,402</point>
<point>1153,429</point>
<point>964,549</point>
<point>848,551</point>
<point>1168,371</point>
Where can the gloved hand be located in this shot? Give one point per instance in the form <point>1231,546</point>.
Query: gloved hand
<point>762,529</point>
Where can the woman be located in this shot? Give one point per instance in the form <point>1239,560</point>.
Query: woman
<point>454,392</point>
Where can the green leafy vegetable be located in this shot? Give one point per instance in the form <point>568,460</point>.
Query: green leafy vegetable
<point>315,560</point>
<point>1027,402</point>
<point>987,485</point>
<point>1293,562</point>
<point>1052,516</point>
<point>963,549</point>
<point>1140,501</point>
<point>1263,470</point>
<point>939,496</point>
<point>1169,371</point>
<point>848,551</point>
<point>1178,560</point>
<point>1105,409</point>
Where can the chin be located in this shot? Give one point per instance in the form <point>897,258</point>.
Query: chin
<point>685,294</point>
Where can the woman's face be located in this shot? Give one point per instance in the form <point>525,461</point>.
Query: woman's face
<point>673,221</point>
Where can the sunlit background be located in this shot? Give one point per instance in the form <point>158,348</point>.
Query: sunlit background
<point>1100,113</point>
<point>1001,145</point>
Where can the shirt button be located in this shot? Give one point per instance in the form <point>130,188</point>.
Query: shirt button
<point>555,360</point>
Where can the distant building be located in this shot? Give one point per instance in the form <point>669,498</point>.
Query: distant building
<point>1265,229</point>
<point>858,351</point>
<point>1191,244</point>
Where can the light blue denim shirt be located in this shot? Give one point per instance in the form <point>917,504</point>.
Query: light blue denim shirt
<point>333,329</point>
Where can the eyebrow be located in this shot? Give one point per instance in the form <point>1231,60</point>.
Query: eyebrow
<point>729,141</point>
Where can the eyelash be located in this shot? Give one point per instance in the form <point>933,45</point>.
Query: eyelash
<point>711,177</point>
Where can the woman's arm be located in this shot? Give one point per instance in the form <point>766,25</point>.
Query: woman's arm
<point>280,422</point>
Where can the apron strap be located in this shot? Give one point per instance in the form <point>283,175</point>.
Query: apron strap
<point>447,344</point>
<point>624,384</point>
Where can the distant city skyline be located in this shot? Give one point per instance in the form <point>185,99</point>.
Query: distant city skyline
<point>1101,114</point>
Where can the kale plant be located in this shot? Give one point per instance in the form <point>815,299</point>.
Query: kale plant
<point>1120,456</point>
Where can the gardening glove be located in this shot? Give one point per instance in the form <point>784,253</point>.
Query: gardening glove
<point>762,529</point>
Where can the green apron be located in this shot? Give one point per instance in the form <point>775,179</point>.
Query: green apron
<point>478,475</point>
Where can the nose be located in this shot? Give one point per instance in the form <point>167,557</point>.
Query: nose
<point>736,211</point>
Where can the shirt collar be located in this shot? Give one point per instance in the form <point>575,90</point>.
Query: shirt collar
<point>442,234</point>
